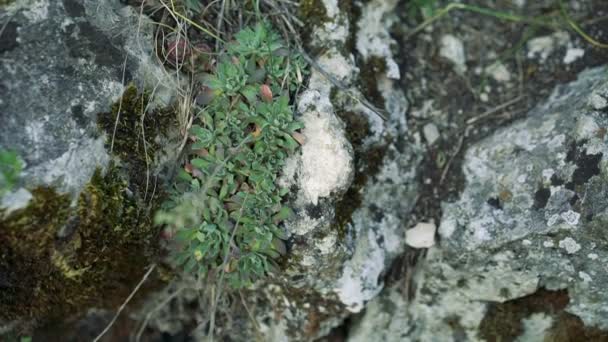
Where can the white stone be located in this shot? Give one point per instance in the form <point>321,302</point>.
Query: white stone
<point>421,236</point>
<point>573,54</point>
<point>431,133</point>
<point>544,46</point>
<point>499,72</point>
<point>452,49</point>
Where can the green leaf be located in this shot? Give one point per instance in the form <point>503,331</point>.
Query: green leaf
<point>283,214</point>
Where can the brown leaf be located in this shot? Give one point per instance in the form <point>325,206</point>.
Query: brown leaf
<point>299,137</point>
<point>266,93</point>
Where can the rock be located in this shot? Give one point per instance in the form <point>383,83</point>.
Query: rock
<point>431,133</point>
<point>421,236</point>
<point>76,232</point>
<point>452,49</point>
<point>528,228</point>
<point>544,46</point>
<point>572,54</point>
<point>499,72</point>
<point>63,64</point>
<point>373,38</point>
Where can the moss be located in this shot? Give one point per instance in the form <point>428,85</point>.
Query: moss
<point>503,321</point>
<point>59,257</point>
<point>48,275</point>
<point>369,83</point>
<point>368,161</point>
<point>313,11</point>
<point>131,131</point>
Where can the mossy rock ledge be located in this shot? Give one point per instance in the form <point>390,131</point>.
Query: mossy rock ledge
<point>76,232</point>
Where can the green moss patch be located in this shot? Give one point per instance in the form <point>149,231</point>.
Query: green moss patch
<point>132,130</point>
<point>57,259</point>
<point>368,161</point>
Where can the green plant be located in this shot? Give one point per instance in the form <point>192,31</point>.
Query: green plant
<point>10,168</point>
<point>227,208</point>
<point>426,8</point>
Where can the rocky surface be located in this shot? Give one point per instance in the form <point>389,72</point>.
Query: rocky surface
<point>531,218</point>
<point>518,255</point>
<point>80,209</point>
<point>348,226</point>
<point>63,62</point>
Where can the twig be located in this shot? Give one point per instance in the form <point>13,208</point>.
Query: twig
<point>124,69</point>
<point>493,110</point>
<point>124,304</point>
<point>578,29</point>
<point>476,9</point>
<point>153,311</point>
<point>256,326</point>
<point>341,86</point>
<point>444,173</point>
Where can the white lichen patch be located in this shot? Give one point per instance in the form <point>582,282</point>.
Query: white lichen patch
<point>570,245</point>
<point>35,10</point>
<point>326,159</point>
<point>499,72</point>
<point>571,217</point>
<point>360,277</point>
<point>535,327</point>
<point>73,169</point>
<point>15,200</point>
<point>373,38</point>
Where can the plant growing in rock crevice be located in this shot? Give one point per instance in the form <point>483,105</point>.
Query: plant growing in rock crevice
<point>226,207</point>
<point>10,168</point>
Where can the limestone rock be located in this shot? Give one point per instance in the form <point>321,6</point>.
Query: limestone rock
<point>532,217</point>
<point>62,63</point>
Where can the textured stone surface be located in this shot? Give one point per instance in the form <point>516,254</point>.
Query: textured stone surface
<point>348,225</point>
<point>532,215</point>
<point>62,63</point>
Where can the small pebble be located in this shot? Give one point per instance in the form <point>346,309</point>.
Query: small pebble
<point>421,236</point>
<point>431,133</point>
<point>452,49</point>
